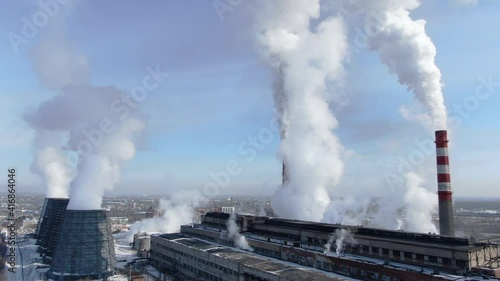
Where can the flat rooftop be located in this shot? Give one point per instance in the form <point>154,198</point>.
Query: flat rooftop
<point>283,269</point>
<point>357,230</point>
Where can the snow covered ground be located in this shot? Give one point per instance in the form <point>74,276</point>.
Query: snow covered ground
<point>123,251</point>
<point>28,262</point>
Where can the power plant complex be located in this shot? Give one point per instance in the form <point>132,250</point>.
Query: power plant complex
<point>335,90</point>
<point>367,254</point>
<point>78,244</point>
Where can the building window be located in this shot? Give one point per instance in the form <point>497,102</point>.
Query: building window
<point>396,254</point>
<point>461,263</point>
<point>433,259</point>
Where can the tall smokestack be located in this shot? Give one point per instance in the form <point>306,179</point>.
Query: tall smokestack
<point>444,185</point>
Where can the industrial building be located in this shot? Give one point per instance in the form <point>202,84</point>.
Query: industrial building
<point>142,244</point>
<point>79,245</point>
<point>372,254</point>
<point>208,261</point>
<point>366,254</point>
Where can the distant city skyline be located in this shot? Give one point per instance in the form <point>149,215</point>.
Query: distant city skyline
<point>213,115</point>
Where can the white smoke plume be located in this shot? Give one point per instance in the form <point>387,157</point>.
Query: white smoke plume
<point>339,237</point>
<point>49,165</point>
<point>308,60</point>
<point>410,208</point>
<point>82,115</point>
<point>82,112</point>
<point>420,204</point>
<point>234,233</point>
<point>178,210</point>
<point>405,48</point>
<point>57,65</point>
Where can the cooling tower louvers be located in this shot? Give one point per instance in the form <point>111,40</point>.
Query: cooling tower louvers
<point>49,225</point>
<point>85,247</point>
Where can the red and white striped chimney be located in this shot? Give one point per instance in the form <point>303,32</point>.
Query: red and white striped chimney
<point>444,185</point>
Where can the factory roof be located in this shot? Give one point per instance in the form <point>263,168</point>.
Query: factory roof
<point>280,268</point>
<point>367,231</point>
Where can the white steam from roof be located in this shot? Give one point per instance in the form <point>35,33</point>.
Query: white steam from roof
<point>239,240</point>
<point>308,60</point>
<point>340,237</point>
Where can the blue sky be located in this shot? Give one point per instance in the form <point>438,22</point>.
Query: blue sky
<point>219,93</point>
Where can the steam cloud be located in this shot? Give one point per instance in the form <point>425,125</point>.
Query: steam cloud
<point>234,233</point>
<point>419,205</point>
<point>307,50</point>
<point>307,60</point>
<point>405,48</point>
<point>177,210</point>
<point>49,164</point>
<point>66,68</point>
<point>82,118</point>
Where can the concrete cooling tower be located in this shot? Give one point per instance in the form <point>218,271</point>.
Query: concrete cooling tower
<point>85,247</point>
<point>49,225</point>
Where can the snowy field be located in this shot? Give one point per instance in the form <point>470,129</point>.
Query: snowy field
<point>28,262</point>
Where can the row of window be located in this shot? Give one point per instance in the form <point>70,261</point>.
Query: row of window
<point>381,252</point>
<point>201,273</point>
<point>192,258</point>
<point>366,275</point>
